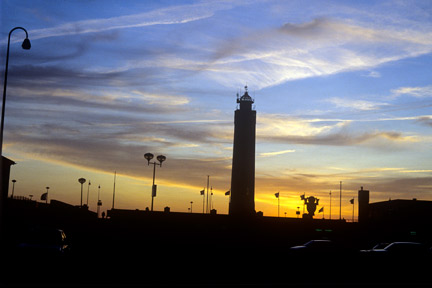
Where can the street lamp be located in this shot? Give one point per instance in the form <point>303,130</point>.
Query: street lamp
<point>88,191</point>
<point>46,199</point>
<point>82,181</point>
<point>160,158</point>
<point>26,46</point>
<point>13,187</point>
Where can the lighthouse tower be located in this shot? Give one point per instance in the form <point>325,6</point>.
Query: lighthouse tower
<point>242,201</point>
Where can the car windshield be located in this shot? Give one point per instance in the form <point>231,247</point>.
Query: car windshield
<point>404,247</point>
<point>380,245</point>
<point>318,244</point>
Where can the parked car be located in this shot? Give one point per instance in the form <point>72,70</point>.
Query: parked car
<point>44,241</point>
<point>316,247</point>
<point>400,249</point>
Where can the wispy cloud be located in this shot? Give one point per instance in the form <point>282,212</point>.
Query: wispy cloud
<point>163,16</point>
<point>373,74</point>
<point>343,138</point>
<point>269,154</point>
<point>418,92</point>
<point>356,104</point>
<point>284,129</point>
<point>425,120</point>
<point>284,125</point>
<point>322,46</point>
<point>416,171</point>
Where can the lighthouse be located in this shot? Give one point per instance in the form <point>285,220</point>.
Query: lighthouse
<point>242,201</point>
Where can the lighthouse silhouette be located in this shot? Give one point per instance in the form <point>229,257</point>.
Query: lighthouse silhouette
<point>242,201</point>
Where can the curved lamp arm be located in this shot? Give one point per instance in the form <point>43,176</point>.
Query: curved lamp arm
<point>25,45</point>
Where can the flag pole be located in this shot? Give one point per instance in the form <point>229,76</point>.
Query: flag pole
<point>277,195</point>
<point>115,174</point>
<point>208,180</point>
<point>340,200</point>
<point>278,203</point>
<point>203,198</point>
<point>211,198</point>
<point>304,197</point>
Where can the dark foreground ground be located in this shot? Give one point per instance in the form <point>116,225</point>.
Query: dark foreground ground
<point>175,249</point>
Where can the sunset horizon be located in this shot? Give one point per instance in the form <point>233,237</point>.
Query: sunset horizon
<point>342,93</point>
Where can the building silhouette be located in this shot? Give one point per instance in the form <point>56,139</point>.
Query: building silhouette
<point>242,197</point>
<point>412,211</point>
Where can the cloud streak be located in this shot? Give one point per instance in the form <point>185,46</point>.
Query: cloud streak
<point>163,16</point>
<point>418,92</point>
<point>321,47</point>
<point>276,153</point>
<point>356,104</point>
<point>282,129</point>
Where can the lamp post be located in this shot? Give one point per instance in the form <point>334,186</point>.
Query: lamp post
<point>88,191</point>
<point>82,181</point>
<point>99,204</point>
<point>46,199</point>
<point>191,206</point>
<point>26,46</point>
<point>160,158</point>
<point>13,187</point>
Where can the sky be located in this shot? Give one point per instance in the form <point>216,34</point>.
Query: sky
<point>342,90</point>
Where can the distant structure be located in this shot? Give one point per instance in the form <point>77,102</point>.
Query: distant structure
<point>242,197</point>
<point>363,205</point>
<point>5,167</point>
<point>401,211</point>
<point>5,174</point>
<point>393,211</point>
<point>99,210</point>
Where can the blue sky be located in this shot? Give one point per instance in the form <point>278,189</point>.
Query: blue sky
<point>342,92</point>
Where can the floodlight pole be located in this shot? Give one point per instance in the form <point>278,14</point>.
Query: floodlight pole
<point>160,158</point>
<point>153,186</point>
<point>81,181</point>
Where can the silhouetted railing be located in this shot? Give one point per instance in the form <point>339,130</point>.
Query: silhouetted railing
<point>22,198</point>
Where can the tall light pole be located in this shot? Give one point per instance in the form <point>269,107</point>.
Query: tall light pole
<point>99,204</point>
<point>160,158</point>
<point>13,187</point>
<point>46,199</point>
<point>277,196</point>
<point>26,46</point>
<point>352,202</point>
<point>88,191</point>
<point>82,181</point>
